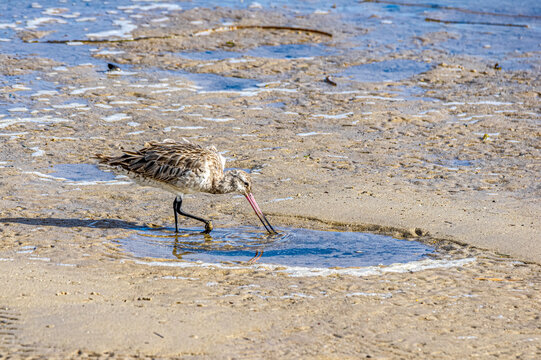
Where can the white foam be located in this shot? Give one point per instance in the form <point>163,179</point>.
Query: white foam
<point>8,26</point>
<point>298,295</point>
<point>165,6</point>
<point>255,5</point>
<point>18,109</point>
<point>232,92</point>
<point>44,176</point>
<point>47,119</point>
<point>39,259</point>
<point>14,135</point>
<point>169,128</point>
<point>298,271</point>
<point>170,277</point>
<point>378,98</point>
<point>104,106</point>
<point>37,152</point>
<point>479,103</point>
<point>149,85</point>
<point>44,93</point>
<point>83,90</point>
<point>110,52</point>
<point>180,108</point>
<point>20,87</point>
<point>383,296</point>
<point>218,119</point>
<point>378,270</point>
<point>172,89</point>
<point>33,24</point>
<point>473,117</point>
<point>159,20</point>
<point>54,11</point>
<point>60,138</point>
<point>238,61</point>
<point>489,134</point>
<point>83,19</point>
<point>286,90</point>
<point>72,105</point>
<point>75,43</point>
<point>116,117</point>
<point>337,116</point>
<point>281,199</point>
<point>122,102</point>
<point>312,134</point>
<point>126,27</point>
<point>121,72</point>
<point>492,103</point>
<point>71,16</point>
<point>25,251</point>
<point>341,92</point>
<point>247,92</point>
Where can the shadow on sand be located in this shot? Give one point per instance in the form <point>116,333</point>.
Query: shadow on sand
<point>180,248</point>
<point>73,223</point>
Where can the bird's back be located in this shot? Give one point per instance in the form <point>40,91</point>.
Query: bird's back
<point>177,167</point>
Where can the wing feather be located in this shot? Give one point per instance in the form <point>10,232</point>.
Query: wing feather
<point>168,161</point>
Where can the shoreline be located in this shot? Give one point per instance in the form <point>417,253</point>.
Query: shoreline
<point>447,153</point>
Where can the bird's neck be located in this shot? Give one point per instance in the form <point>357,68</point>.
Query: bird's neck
<point>224,185</point>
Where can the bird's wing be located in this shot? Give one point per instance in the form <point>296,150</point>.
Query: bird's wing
<point>218,156</point>
<point>167,162</point>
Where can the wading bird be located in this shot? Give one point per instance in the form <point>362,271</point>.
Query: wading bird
<point>184,168</point>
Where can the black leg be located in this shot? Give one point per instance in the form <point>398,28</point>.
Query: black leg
<point>175,202</point>
<point>177,205</point>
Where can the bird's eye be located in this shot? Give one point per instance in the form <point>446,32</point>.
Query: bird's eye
<point>246,184</point>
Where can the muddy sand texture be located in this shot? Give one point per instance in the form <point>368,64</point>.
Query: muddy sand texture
<point>366,156</point>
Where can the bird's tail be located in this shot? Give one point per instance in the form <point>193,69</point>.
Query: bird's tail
<point>102,159</point>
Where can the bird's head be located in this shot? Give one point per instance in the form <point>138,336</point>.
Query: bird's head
<point>240,182</point>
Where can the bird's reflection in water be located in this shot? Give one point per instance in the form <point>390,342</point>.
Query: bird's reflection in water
<point>230,241</point>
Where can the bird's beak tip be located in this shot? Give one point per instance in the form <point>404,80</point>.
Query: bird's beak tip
<point>259,213</point>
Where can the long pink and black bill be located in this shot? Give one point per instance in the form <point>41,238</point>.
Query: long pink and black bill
<point>259,213</point>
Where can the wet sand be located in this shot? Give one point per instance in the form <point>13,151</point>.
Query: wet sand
<point>448,156</point>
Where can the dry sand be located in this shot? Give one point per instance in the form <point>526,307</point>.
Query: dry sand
<point>461,172</point>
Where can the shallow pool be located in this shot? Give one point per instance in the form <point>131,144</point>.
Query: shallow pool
<point>291,247</point>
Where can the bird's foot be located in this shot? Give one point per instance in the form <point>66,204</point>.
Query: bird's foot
<point>208,227</point>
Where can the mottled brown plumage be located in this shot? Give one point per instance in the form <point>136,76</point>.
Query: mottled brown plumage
<point>183,168</point>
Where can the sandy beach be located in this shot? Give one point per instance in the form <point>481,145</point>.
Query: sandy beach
<point>445,151</point>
